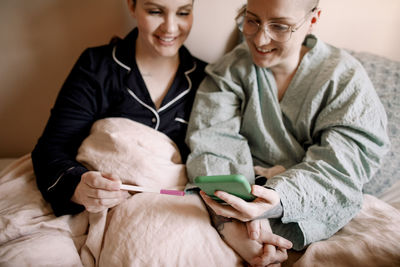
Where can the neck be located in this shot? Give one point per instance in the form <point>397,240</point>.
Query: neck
<point>150,63</point>
<point>284,75</point>
<point>289,69</point>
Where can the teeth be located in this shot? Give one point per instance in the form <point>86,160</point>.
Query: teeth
<point>264,50</point>
<point>167,39</point>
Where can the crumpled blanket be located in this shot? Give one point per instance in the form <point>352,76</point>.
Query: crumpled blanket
<point>371,239</point>
<point>30,234</point>
<point>146,230</point>
<point>150,229</point>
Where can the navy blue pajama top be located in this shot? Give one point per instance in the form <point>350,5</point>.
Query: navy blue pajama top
<point>105,82</point>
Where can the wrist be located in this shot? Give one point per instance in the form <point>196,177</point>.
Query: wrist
<point>275,212</point>
<point>75,198</point>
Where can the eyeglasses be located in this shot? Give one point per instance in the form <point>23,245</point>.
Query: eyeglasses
<point>279,32</point>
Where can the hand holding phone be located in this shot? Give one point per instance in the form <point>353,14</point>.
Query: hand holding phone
<point>235,184</point>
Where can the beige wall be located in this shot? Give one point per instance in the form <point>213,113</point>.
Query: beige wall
<point>41,39</point>
<point>214,30</point>
<point>362,25</point>
<point>39,42</point>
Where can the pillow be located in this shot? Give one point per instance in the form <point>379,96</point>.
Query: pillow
<point>385,75</point>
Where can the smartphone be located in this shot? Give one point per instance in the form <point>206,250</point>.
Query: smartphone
<point>235,184</point>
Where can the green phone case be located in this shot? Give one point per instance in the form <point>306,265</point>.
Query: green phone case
<point>235,184</point>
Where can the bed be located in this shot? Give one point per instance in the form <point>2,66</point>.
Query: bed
<point>160,230</point>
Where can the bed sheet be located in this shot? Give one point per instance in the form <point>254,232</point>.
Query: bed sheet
<point>29,230</point>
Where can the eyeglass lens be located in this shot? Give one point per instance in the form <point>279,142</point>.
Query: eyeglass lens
<point>277,32</point>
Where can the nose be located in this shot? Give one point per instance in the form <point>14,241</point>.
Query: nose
<point>262,37</point>
<point>170,24</point>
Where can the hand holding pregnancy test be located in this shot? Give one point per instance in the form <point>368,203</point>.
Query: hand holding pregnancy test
<point>152,190</point>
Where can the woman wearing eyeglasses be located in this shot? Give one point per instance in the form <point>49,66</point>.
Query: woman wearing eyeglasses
<point>284,97</point>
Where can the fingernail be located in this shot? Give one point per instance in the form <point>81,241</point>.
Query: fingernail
<point>203,194</point>
<point>254,190</point>
<point>288,244</point>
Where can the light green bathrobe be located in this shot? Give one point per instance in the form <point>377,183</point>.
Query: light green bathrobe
<point>328,131</point>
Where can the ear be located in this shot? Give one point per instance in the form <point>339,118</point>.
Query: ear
<point>314,20</point>
<point>131,7</point>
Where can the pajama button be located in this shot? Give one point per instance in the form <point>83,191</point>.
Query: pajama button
<point>153,120</point>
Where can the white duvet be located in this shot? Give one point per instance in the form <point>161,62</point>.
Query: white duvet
<point>159,230</point>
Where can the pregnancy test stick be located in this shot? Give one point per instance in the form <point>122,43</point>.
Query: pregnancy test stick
<point>152,190</point>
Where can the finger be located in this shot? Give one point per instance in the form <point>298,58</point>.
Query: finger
<point>208,200</point>
<point>219,209</point>
<point>271,258</point>
<point>103,202</point>
<point>267,258</point>
<point>237,208</point>
<point>269,195</point>
<point>253,229</point>
<point>241,207</point>
<point>276,240</point>
<point>281,255</point>
<point>110,183</point>
<point>103,194</point>
<point>95,209</point>
<point>277,169</point>
<point>96,180</point>
<point>246,210</point>
<point>110,177</point>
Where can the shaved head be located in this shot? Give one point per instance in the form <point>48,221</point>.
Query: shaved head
<point>307,4</point>
<point>311,4</point>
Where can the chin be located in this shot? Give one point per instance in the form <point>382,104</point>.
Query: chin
<point>170,52</point>
<point>263,63</point>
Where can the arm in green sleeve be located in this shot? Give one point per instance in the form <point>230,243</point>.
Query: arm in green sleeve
<point>217,147</point>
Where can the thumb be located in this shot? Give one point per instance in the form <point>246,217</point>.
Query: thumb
<point>114,183</point>
<point>253,229</point>
<point>276,240</point>
<point>110,177</point>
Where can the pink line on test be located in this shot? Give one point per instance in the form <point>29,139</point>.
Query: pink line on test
<point>172,192</point>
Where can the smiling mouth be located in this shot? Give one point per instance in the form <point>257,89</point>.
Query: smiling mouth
<point>167,39</point>
<point>264,51</point>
